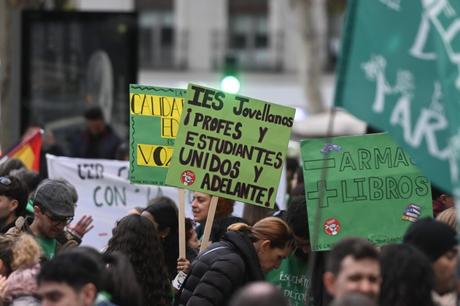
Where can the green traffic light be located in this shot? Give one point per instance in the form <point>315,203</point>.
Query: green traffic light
<point>230,84</point>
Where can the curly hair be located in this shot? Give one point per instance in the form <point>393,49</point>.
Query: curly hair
<point>138,239</point>
<point>407,277</point>
<point>26,251</point>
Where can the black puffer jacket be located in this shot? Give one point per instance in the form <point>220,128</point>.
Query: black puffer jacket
<point>219,271</point>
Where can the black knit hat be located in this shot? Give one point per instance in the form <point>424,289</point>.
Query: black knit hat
<point>432,237</point>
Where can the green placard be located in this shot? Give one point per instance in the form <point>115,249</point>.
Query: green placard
<point>231,146</point>
<point>389,76</point>
<point>372,189</point>
<point>154,122</point>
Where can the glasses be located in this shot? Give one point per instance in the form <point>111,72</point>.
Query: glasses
<point>56,219</point>
<point>5,181</point>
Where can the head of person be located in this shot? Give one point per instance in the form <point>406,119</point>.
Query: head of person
<point>13,198</point>
<point>29,178</point>
<point>54,207</point>
<point>77,276</point>
<point>259,294</point>
<point>191,235</point>
<point>163,211</point>
<point>9,165</point>
<point>407,276</point>
<point>95,122</point>
<point>200,206</point>
<point>137,237</point>
<point>353,266</point>
<point>272,239</point>
<point>449,217</point>
<point>6,255</point>
<point>438,241</point>
<point>297,219</point>
<point>354,299</point>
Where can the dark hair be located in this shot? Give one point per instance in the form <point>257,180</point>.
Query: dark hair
<point>6,253</point>
<point>357,248</point>
<point>292,164</point>
<point>164,211</point>
<point>29,178</point>
<point>137,238</point>
<point>189,226</point>
<point>270,228</point>
<point>94,113</point>
<point>10,164</point>
<point>15,190</point>
<point>407,277</point>
<point>297,217</point>
<point>110,273</point>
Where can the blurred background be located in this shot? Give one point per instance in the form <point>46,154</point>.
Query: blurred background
<point>57,57</point>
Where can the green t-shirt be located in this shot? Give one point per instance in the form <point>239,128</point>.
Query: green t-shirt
<point>292,278</point>
<point>48,246</point>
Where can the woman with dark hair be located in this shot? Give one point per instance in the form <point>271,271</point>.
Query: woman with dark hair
<point>407,277</point>
<point>243,255</point>
<point>137,238</point>
<point>163,211</point>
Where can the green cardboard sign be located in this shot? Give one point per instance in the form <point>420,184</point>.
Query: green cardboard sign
<point>230,146</point>
<point>154,122</point>
<point>372,189</point>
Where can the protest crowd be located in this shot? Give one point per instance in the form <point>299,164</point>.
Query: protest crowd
<point>264,258</point>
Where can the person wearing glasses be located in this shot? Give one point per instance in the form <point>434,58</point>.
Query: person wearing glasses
<point>54,209</point>
<point>13,200</point>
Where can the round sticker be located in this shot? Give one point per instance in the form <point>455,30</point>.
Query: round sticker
<point>332,226</point>
<point>187,178</point>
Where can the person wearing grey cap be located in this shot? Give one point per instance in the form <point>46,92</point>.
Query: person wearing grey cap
<point>54,209</point>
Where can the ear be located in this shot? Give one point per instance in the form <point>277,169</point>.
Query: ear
<point>37,210</point>
<point>164,233</point>
<point>265,245</point>
<point>13,205</point>
<point>329,282</point>
<point>88,293</point>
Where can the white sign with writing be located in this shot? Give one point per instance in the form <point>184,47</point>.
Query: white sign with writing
<point>104,192</point>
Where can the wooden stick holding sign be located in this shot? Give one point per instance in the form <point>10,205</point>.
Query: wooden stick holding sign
<point>209,222</point>
<point>181,221</point>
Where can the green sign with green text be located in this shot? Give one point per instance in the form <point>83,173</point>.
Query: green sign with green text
<point>230,146</point>
<point>368,185</point>
<point>154,122</point>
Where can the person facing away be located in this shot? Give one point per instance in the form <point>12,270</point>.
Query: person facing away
<point>243,255</point>
<point>292,275</point>
<point>407,276</point>
<point>438,241</point>
<point>98,139</point>
<point>13,201</point>
<point>353,266</point>
<point>83,277</point>
<point>137,237</point>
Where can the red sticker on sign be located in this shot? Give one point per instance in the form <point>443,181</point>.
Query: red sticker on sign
<point>332,227</point>
<point>187,178</point>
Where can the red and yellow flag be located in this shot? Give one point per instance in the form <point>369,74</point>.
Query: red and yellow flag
<point>28,151</point>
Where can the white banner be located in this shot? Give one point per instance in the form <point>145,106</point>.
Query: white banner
<point>104,192</point>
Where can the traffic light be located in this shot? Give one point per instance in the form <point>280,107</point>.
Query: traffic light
<point>230,81</point>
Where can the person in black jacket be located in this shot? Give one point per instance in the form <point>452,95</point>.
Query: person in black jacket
<point>243,255</point>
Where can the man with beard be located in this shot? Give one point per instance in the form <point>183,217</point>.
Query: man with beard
<point>54,208</point>
<point>292,275</point>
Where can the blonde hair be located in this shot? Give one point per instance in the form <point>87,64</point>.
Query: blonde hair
<point>271,228</point>
<point>449,216</point>
<point>26,251</point>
